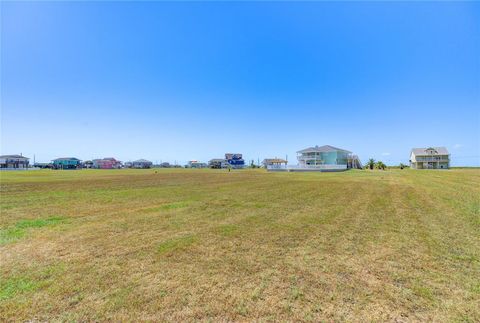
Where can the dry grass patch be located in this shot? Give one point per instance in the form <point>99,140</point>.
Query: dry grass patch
<point>246,245</point>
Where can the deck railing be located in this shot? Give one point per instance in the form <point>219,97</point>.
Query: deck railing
<point>432,159</point>
<point>307,167</point>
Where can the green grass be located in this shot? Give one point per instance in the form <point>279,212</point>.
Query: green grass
<point>20,229</point>
<point>212,245</point>
<point>176,245</point>
<point>15,286</point>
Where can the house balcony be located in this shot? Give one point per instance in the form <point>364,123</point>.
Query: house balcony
<point>432,159</point>
<point>307,168</point>
<point>306,157</point>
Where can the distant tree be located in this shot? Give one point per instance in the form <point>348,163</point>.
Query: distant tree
<point>252,164</point>
<point>380,165</point>
<point>370,164</point>
<point>402,165</point>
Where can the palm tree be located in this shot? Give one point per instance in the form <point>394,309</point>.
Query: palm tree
<point>370,164</point>
<point>381,165</point>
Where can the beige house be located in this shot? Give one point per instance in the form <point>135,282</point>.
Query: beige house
<point>274,162</point>
<point>430,158</point>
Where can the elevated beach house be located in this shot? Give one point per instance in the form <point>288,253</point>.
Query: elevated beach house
<point>66,163</point>
<point>430,158</point>
<point>218,163</point>
<point>106,163</point>
<point>235,160</point>
<point>274,162</point>
<point>13,162</point>
<point>195,164</point>
<point>322,158</point>
<point>141,163</point>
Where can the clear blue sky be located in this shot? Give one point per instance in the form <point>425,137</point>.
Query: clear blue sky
<point>181,81</point>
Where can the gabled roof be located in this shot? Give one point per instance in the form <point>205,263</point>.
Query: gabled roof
<point>322,149</point>
<point>424,151</point>
<point>14,156</point>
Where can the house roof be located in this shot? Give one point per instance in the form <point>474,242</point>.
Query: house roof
<point>217,160</point>
<point>66,158</point>
<point>14,156</point>
<point>322,149</point>
<point>108,159</point>
<point>423,151</point>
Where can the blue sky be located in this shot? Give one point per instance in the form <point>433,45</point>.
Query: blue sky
<point>181,81</point>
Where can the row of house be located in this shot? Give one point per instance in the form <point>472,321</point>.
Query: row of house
<point>329,158</point>
<point>22,162</point>
<point>317,158</point>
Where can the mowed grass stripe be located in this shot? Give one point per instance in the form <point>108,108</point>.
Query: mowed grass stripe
<point>245,245</point>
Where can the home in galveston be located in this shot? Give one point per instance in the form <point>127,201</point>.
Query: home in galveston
<point>218,163</point>
<point>274,162</point>
<point>106,163</point>
<point>195,164</point>
<point>141,163</point>
<point>66,163</point>
<point>235,160</point>
<point>322,158</point>
<point>430,158</point>
<point>14,162</point>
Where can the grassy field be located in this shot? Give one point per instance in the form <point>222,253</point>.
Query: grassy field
<point>396,245</point>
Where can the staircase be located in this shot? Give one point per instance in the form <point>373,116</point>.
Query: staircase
<point>355,162</point>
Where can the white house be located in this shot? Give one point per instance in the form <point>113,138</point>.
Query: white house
<point>430,158</point>
<point>13,162</point>
<point>321,158</point>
